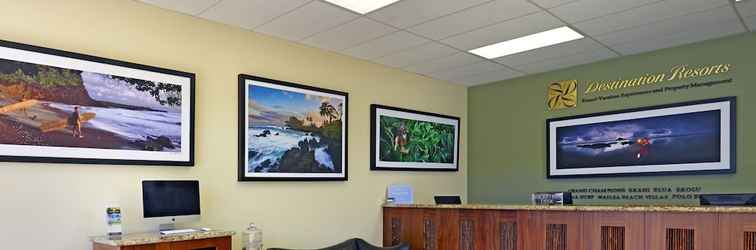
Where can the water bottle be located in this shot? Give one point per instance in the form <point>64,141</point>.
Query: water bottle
<point>252,238</point>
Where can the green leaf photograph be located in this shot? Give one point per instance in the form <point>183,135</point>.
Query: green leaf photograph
<point>405,140</point>
<point>413,140</point>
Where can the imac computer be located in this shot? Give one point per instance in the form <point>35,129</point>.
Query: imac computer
<point>168,202</point>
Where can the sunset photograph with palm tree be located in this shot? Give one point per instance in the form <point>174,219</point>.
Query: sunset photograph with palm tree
<point>294,131</point>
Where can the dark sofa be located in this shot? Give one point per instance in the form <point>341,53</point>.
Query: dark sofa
<point>356,244</point>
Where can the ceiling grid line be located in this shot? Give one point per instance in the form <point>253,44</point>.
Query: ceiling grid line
<point>437,41</point>
<point>665,20</point>
<point>209,7</point>
<point>575,28</point>
<point>662,20</point>
<point>282,15</point>
<point>740,16</point>
<point>619,11</point>
<point>331,28</point>
<point>434,38</point>
<point>406,29</point>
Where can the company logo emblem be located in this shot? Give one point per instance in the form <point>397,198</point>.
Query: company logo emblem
<point>562,94</point>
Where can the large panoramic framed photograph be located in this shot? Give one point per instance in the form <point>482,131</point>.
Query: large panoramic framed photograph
<point>291,132</point>
<point>685,138</point>
<point>404,140</point>
<point>63,107</point>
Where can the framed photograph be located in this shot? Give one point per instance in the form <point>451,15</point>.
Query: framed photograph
<point>64,107</point>
<point>685,138</point>
<point>291,132</point>
<point>403,139</point>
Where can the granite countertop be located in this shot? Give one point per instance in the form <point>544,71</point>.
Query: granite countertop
<point>586,208</point>
<point>155,237</point>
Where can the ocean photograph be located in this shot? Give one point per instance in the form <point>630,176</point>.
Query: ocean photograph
<point>293,132</point>
<point>671,139</point>
<point>42,105</point>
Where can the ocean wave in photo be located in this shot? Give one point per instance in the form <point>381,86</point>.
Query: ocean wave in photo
<point>132,124</point>
<point>269,147</point>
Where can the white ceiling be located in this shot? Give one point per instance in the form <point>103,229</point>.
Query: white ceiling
<point>431,37</point>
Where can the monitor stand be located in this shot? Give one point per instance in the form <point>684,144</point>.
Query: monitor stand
<point>167,227</point>
<point>170,229</point>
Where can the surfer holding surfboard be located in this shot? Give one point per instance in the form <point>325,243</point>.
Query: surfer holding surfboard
<point>75,121</point>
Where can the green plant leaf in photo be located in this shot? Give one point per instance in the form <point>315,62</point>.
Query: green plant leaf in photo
<point>405,140</point>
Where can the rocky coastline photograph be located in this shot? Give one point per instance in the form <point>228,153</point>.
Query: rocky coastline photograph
<point>292,131</point>
<point>46,106</point>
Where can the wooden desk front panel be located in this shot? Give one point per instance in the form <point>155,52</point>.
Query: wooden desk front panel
<point>407,226</point>
<point>163,246</point>
<point>471,229</point>
<point>551,230</point>
<point>737,231</point>
<point>205,244</point>
<point>223,243</point>
<point>684,231</point>
<point>613,231</point>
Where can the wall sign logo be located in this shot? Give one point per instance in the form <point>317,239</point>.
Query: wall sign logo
<point>562,94</point>
<point>676,73</point>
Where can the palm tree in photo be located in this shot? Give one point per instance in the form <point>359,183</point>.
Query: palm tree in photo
<point>341,110</point>
<point>327,110</point>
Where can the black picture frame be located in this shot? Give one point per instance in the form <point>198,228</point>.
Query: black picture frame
<point>377,165</point>
<point>728,103</point>
<point>243,131</point>
<point>187,158</point>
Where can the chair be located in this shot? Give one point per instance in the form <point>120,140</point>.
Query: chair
<point>356,244</point>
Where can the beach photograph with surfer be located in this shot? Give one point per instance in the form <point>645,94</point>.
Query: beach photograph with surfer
<point>49,106</point>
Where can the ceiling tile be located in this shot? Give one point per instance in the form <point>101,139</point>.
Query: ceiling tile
<point>349,35</point>
<point>701,33</point>
<point>551,52</point>
<point>467,70</point>
<point>567,61</point>
<point>751,22</point>
<point>747,8</point>
<point>646,14</point>
<point>307,20</point>
<point>476,17</point>
<point>489,77</point>
<point>681,24</point>
<point>552,3</point>
<point>407,13</point>
<point>418,54</point>
<point>444,63</point>
<point>588,9</point>
<point>504,31</point>
<point>191,7</point>
<point>386,45</point>
<point>249,14</point>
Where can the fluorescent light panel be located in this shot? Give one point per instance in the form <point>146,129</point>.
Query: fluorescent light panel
<point>529,42</point>
<point>362,6</point>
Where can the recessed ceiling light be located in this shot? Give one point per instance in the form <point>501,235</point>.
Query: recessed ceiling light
<point>529,42</point>
<point>362,6</point>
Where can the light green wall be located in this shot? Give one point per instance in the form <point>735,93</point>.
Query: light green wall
<point>507,151</point>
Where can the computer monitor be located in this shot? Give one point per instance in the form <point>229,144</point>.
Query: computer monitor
<point>447,200</point>
<point>170,201</point>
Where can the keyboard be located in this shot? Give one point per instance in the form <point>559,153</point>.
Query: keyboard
<point>178,231</point>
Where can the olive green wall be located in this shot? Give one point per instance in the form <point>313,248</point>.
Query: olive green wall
<point>507,151</point>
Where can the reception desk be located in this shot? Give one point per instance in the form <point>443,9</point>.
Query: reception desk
<point>514,227</point>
